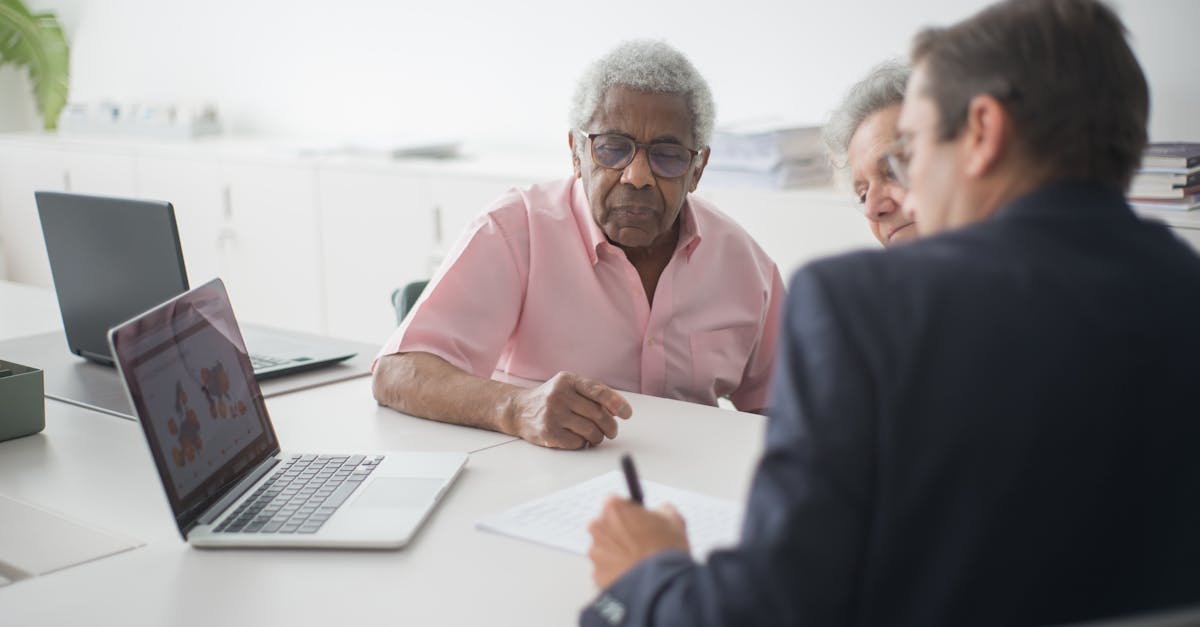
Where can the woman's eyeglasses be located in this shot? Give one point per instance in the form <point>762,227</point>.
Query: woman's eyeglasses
<point>898,157</point>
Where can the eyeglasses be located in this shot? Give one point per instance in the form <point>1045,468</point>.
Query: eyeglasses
<point>898,157</point>
<point>668,160</point>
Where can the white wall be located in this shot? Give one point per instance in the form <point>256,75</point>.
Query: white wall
<point>502,72</point>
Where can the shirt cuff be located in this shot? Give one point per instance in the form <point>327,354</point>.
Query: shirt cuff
<point>630,600</point>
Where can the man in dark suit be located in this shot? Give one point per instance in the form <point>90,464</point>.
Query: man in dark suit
<point>995,425</point>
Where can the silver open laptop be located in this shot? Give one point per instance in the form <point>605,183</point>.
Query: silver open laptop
<point>189,380</point>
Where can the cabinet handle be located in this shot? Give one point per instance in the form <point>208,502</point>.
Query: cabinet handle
<point>227,234</point>
<point>66,180</point>
<point>437,226</point>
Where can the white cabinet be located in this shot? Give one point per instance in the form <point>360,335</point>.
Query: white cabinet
<point>197,190</point>
<point>270,245</point>
<point>110,172</point>
<point>253,224</point>
<point>795,226</point>
<point>26,167</point>
<point>23,169</point>
<point>459,199</point>
<point>377,230</point>
<point>384,226</point>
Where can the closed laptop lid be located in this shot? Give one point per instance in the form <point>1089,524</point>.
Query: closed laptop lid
<point>111,258</point>
<point>189,379</point>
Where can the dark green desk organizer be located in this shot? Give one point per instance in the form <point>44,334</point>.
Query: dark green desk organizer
<point>22,404</point>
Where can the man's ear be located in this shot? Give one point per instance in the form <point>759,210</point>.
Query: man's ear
<point>575,165</point>
<point>987,135</point>
<point>703,159</point>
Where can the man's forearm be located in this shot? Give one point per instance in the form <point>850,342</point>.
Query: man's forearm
<point>425,385</point>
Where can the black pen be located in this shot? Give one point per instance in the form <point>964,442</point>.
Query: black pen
<point>631,478</point>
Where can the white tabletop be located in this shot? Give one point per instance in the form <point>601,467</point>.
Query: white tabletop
<point>27,310</point>
<point>30,318</point>
<point>96,469</point>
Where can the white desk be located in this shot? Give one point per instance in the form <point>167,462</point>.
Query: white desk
<point>27,310</point>
<point>31,334</point>
<point>96,468</point>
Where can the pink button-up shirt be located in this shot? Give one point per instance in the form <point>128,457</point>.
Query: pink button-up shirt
<point>533,287</point>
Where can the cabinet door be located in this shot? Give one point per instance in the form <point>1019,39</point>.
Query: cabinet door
<point>377,230</point>
<point>795,226</point>
<point>100,172</point>
<point>197,190</point>
<point>271,254</point>
<point>459,199</point>
<point>25,168</point>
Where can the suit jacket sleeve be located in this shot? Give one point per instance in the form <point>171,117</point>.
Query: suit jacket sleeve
<point>807,520</point>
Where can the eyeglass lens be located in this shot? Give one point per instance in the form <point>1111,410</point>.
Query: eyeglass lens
<point>617,152</point>
<point>898,163</point>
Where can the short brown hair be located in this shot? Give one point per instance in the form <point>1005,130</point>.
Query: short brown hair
<point>1063,71</point>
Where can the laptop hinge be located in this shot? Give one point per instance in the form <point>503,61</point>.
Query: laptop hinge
<point>236,492</point>
<point>105,359</point>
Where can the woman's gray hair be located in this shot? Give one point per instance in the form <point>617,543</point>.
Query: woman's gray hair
<point>651,66</point>
<point>882,88</point>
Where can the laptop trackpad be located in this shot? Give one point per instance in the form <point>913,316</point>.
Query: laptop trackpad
<point>399,492</point>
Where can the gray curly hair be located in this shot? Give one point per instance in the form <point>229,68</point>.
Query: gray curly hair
<point>882,88</point>
<point>645,65</point>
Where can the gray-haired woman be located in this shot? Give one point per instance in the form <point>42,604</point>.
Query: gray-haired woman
<point>861,131</point>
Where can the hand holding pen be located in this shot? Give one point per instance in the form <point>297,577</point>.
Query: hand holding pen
<point>626,532</point>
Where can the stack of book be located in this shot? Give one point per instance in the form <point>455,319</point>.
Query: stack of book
<point>768,154</point>
<point>1169,179</point>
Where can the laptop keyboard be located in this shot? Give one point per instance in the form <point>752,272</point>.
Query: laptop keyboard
<point>260,362</point>
<point>301,495</point>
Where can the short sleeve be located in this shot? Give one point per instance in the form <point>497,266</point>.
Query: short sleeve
<point>471,306</point>
<point>752,393</point>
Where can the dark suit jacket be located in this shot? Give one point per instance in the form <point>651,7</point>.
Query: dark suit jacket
<point>996,426</point>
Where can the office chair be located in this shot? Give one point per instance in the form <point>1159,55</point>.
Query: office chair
<point>403,298</point>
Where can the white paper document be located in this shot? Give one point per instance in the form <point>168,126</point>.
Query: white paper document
<point>560,519</point>
<point>35,541</point>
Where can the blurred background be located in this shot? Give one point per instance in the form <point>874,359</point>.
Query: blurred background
<point>312,236</point>
<point>502,73</point>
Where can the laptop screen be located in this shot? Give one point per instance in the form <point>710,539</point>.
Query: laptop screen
<point>192,387</point>
<point>111,258</point>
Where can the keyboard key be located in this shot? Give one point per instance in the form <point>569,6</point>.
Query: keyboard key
<point>340,495</point>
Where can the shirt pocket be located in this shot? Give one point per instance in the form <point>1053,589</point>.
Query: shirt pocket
<point>719,358</point>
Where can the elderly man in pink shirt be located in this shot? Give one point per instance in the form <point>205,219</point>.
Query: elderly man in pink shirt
<point>613,279</point>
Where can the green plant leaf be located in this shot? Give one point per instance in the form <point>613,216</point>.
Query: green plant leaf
<point>36,42</point>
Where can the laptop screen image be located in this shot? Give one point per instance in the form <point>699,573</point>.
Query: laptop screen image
<point>190,381</point>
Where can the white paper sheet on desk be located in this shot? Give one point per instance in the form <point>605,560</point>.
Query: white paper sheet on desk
<point>560,519</point>
<point>35,541</point>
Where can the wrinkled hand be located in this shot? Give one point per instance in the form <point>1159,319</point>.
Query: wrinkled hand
<point>627,533</point>
<point>568,411</point>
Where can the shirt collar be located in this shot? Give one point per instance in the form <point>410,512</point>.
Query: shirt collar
<point>690,227</point>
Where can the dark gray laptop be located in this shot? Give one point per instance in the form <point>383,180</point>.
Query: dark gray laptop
<point>113,258</point>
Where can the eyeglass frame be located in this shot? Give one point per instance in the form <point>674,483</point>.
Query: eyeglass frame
<point>591,137</point>
<point>898,156</point>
